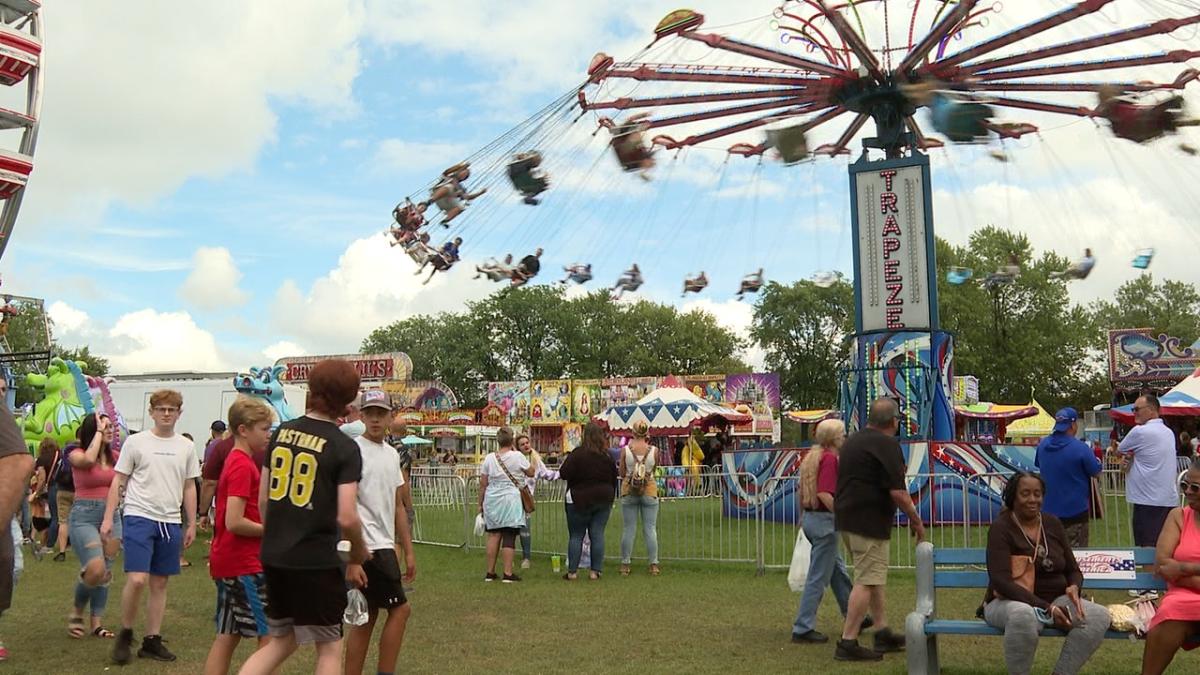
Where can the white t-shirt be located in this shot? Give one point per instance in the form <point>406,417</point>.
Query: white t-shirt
<point>158,469</point>
<point>1152,473</point>
<point>381,477</point>
<point>498,481</point>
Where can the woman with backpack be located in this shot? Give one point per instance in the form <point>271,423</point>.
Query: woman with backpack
<point>639,497</point>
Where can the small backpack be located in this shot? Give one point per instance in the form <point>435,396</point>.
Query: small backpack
<point>62,475</point>
<point>639,474</point>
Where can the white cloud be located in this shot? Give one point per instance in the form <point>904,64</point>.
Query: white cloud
<point>144,341</point>
<point>151,341</point>
<point>395,154</point>
<point>283,349</point>
<point>66,318</point>
<point>373,285</point>
<point>183,94</point>
<point>213,281</point>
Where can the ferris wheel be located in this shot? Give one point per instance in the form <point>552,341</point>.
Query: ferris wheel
<point>20,65</point>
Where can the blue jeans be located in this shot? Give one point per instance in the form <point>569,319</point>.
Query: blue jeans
<point>825,568</point>
<point>526,540</point>
<point>86,517</point>
<point>590,521</point>
<point>631,506</point>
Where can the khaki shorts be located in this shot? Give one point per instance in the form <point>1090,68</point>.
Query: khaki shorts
<point>870,557</point>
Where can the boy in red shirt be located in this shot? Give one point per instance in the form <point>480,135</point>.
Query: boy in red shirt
<point>237,535</point>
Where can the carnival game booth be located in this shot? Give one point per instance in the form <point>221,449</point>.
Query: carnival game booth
<point>1031,429</point>
<point>669,411</point>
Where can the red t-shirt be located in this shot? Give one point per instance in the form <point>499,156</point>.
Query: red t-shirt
<point>827,475</point>
<point>233,555</point>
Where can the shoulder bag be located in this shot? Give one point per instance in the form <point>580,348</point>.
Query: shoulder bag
<point>527,502</point>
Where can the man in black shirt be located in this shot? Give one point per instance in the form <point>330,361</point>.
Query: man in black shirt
<point>309,494</point>
<point>871,485</point>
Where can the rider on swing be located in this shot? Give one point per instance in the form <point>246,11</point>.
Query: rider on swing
<point>528,268</point>
<point>1140,122</point>
<point>449,193</point>
<point>442,260</point>
<point>694,284</point>
<point>1007,274</point>
<point>579,273</point>
<point>629,282</point>
<point>495,270</point>
<point>628,143</point>
<point>526,178</point>
<point>1080,270</point>
<point>751,283</point>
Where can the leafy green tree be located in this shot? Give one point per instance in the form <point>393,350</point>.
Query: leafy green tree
<point>1170,307</point>
<point>96,365</point>
<point>538,333</point>
<point>803,329</point>
<point>1019,339</point>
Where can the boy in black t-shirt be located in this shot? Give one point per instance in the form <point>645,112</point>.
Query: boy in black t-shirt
<point>309,493</point>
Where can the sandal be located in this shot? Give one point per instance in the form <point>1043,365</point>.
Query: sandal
<point>594,576</point>
<point>570,576</point>
<point>654,571</point>
<point>75,626</point>
<point>625,570</point>
<point>61,556</point>
<point>102,632</point>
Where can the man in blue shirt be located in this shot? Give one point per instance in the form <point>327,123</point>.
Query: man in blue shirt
<point>1148,458</point>
<point>1067,465</point>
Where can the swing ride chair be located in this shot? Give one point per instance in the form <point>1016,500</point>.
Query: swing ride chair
<point>830,73</point>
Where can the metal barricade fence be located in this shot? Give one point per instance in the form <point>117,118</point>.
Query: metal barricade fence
<point>698,520</point>
<point>440,501</point>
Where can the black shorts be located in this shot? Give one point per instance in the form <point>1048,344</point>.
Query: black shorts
<point>384,590</point>
<point>1148,522</point>
<point>39,523</point>
<point>306,603</point>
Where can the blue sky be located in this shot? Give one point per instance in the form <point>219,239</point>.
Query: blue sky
<point>210,189</point>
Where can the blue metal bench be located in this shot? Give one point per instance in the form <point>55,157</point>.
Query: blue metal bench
<point>922,626</point>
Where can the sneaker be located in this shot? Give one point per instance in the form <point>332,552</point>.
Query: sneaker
<point>525,564</point>
<point>61,556</point>
<point>490,576</point>
<point>3,653</point>
<point>120,652</point>
<point>510,578</point>
<point>1143,595</point>
<point>812,637</point>
<point>850,650</point>
<point>887,641</point>
<point>153,648</point>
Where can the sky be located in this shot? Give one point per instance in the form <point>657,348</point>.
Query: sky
<point>211,188</point>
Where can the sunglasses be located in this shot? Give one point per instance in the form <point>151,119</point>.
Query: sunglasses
<point>1189,488</point>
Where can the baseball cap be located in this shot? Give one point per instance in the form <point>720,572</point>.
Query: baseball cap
<point>218,426</point>
<point>374,398</point>
<point>1063,419</point>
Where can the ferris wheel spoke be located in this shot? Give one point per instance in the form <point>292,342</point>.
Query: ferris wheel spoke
<point>626,102</point>
<point>1017,34</point>
<point>935,36</point>
<point>712,74</point>
<point>773,55</point>
<point>1176,56</point>
<point>1157,28</point>
<point>725,112</point>
<point>853,40</point>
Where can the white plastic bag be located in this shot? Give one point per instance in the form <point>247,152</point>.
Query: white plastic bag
<point>479,525</point>
<point>798,572</point>
<point>356,613</point>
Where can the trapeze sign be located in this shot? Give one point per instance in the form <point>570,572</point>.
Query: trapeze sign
<point>894,283</point>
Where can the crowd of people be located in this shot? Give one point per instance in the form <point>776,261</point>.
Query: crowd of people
<point>323,503</point>
<point>853,486</point>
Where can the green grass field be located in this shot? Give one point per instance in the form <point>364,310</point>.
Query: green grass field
<point>696,618</point>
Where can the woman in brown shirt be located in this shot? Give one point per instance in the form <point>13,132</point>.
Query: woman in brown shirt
<point>1034,581</point>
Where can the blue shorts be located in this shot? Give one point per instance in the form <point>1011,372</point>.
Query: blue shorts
<point>151,546</point>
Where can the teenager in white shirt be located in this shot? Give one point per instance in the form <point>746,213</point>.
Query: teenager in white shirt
<point>157,470</point>
<point>386,532</point>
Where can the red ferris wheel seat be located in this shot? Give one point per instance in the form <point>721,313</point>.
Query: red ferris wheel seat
<point>19,53</point>
<point>14,172</point>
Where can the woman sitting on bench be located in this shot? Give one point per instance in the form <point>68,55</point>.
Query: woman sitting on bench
<point>1177,621</point>
<point>1034,580</point>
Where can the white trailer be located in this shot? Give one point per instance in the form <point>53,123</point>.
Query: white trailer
<point>206,397</point>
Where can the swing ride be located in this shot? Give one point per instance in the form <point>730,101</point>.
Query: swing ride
<point>929,74</point>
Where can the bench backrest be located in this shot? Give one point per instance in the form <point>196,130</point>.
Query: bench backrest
<point>979,578</point>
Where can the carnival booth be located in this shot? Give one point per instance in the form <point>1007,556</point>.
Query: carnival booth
<point>1181,401</point>
<point>1031,429</point>
<point>988,422</point>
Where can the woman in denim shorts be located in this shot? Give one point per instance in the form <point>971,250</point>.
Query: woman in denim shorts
<point>92,465</point>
